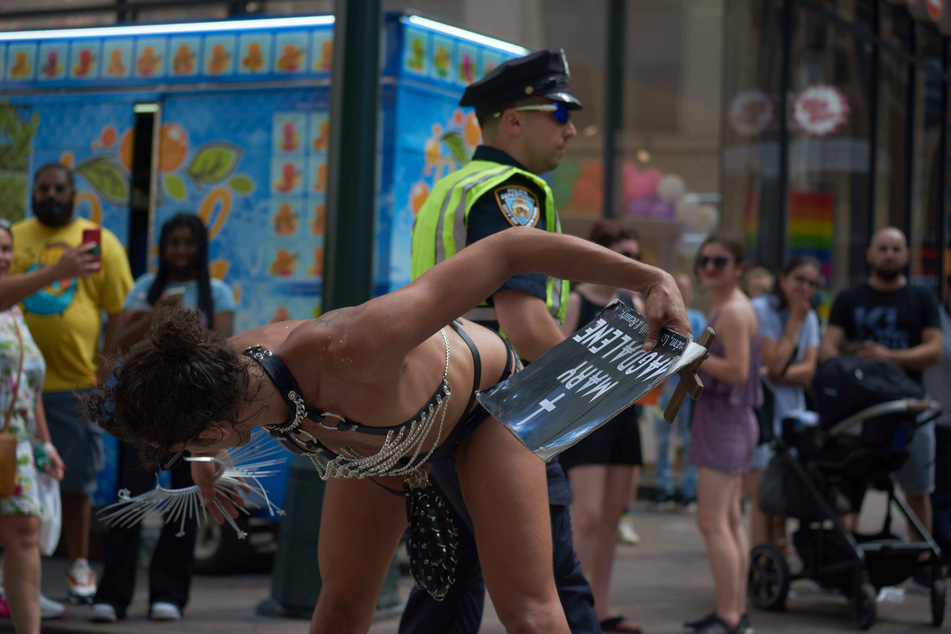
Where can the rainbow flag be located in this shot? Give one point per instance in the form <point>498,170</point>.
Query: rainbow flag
<point>810,227</point>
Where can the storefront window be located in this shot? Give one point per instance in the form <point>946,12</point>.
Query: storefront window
<point>829,145</point>
<point>669,148</point>
<point>751,131</point>
<point>929,164</point>
<point>891,195</point>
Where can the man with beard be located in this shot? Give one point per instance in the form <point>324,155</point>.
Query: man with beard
<point>65,320</point>
<point>888,319</point>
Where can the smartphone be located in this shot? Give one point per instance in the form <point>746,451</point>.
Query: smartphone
<point>175,294</point>
<point>94,235</point>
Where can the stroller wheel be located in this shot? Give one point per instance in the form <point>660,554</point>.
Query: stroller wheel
<point>768,581</point>
<point>937,602</point>
<point>863,606</point>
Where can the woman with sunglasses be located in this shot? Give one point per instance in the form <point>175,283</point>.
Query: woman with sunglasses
<point>182,279</point>
<point>371,394</point>
<point>789,339</point>
<point>23,368</point>
<point>603,467</point>
<point>724,432</point>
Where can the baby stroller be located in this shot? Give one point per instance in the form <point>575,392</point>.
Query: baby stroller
<point>820,473</point>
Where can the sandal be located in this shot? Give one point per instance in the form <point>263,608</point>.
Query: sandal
<point>620,624</point>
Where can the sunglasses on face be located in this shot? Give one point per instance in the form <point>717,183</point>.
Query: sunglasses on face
<point>718,262</point>
<point>559,111</point>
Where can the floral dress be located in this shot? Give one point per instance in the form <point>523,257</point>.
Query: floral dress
<point>23,421</point>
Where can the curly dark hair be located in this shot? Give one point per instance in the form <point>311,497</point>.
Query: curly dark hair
<point>179,380</point>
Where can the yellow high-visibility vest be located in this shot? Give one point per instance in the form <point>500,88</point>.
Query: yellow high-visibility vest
<point>440,227</point>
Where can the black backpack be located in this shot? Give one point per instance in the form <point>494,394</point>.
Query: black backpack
<point>843,386</point>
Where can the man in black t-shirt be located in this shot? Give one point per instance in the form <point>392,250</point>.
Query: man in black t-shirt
<point>887,318</point>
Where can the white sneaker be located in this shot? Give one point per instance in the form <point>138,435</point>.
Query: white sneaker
<point>81,581</point>
<point>50,609</point>
<point>102,613</point>
<point>626,533</point>
<point>164,611</point>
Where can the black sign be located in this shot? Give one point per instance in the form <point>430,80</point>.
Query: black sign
<point>584,381</point>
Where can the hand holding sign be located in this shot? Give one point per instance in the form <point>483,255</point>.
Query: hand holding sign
<point>586,380</point>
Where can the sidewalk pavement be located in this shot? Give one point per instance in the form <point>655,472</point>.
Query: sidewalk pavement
<point>659,583</point>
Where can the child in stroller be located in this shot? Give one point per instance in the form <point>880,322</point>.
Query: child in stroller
<point>821,473</point>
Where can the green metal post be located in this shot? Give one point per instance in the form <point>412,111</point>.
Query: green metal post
<point>348,279</point>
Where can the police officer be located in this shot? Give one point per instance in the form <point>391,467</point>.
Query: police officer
<point>524,109</point>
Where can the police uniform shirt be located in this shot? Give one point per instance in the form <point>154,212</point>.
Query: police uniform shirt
<point>496,211</point>
<point>517,202</point>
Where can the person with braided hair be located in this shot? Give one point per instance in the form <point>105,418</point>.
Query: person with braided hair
<point>182,279</point>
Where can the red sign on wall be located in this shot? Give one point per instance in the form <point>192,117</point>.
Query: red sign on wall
<point>935,8</point>
<point>820,110</point>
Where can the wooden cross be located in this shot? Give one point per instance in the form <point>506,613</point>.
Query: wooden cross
<point>689,381</point>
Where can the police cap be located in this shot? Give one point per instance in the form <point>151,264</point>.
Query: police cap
<point>540,74</point>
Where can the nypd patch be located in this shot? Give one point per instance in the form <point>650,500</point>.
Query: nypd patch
<point>520,205</point>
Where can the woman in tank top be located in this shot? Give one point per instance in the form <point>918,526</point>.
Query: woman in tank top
<point>725,432</point>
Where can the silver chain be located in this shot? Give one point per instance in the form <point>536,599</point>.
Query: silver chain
<point>349,463</point>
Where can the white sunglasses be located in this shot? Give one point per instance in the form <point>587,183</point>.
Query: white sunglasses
<point>559,111</point>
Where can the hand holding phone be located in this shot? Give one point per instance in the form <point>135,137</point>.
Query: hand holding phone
<point>94,235</point>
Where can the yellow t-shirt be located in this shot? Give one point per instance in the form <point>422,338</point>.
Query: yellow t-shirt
<point>65,318</point>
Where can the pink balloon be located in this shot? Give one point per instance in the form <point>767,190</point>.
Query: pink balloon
<point>639,187</point>
<point>653,177</point>
<point>629,173</point>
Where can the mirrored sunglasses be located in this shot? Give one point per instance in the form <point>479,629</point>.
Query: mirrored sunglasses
<point>558,110</point>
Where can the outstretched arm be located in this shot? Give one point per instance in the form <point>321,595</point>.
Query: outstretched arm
<point>74,262</point>
<point>401,320</point>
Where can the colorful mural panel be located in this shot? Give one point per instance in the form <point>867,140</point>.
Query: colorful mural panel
<point>84,60</point>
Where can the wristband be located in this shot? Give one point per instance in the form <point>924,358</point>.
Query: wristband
<point>48,446</point>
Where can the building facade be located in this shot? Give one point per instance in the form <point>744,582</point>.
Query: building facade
<point>801,125</point>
